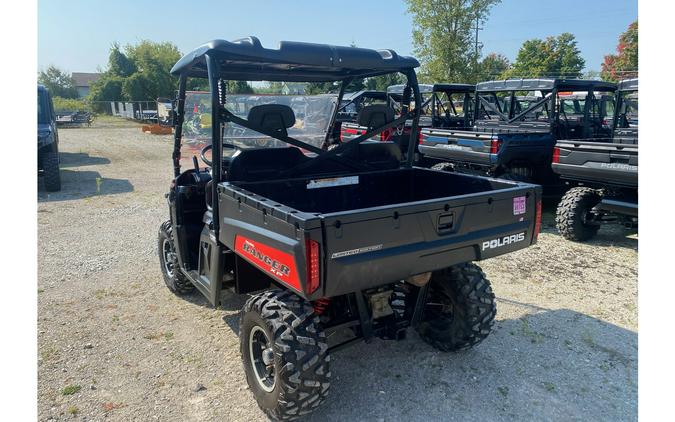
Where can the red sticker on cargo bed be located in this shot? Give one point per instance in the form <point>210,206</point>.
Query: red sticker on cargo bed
<point>280,265</point>
<point>519,205</point>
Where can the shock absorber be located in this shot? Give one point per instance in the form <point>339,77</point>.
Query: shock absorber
<point>320,305</point>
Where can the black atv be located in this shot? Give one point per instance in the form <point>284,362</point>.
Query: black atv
<point>48,141</point>
<point>333,247</point>
<point>603,173</point>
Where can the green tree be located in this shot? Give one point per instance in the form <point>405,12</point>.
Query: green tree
<point>380,83</point>
<point>624,64</point>
<point>443,37</point>
<point>119,64</point>
<point>555,57</point>
<point>492,67</point>
<point>58,82</point>
<point>314,88</point>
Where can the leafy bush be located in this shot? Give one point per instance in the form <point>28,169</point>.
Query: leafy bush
<point>70,104</point>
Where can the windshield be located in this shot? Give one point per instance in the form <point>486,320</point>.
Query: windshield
<point>312,118</point>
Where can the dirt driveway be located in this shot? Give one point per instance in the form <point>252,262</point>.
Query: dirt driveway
<point>115,344</point>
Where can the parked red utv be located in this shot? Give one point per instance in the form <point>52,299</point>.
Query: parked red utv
<point>350,241</point>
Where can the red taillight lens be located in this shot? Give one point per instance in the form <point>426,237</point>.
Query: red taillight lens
<point>494,146</point>
<point>385,135</point>
<point>537,220</point>
<point>420,138</point>
<point>556,155</point>
<point>313,270</point>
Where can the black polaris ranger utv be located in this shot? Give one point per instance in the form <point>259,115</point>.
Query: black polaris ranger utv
<point>516,125</point>
<point>443,106</point>
<point>333,247</point>
<point>604,173</point>
<point>48,141</point>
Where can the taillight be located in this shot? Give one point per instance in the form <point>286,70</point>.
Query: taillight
<point>313,271</point>
<point>537,220</point>
<point>494,146</point>
<point>420,138</point>
<point>385,135</point>
<point>556,154</point>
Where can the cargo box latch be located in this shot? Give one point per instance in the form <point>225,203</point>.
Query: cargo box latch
<point>445,222</point>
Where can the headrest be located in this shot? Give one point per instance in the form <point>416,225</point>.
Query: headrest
<point>375,115</point>
<point>275,117</point>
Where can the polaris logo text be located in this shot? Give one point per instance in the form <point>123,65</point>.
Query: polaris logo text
<point>275,266</point>
<point>503,241</point>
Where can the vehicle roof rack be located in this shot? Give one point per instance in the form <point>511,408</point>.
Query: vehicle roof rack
<point>628,85</point>
<point>544,84</point>
<point>246,59</point>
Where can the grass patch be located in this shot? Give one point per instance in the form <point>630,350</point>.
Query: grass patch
<point>73,410</point>
<point>525,330</point>
<point>504,391</point>
<point>71,389</point>
<point>549,386</point>
<point>41,291</point>
<point>168,336</point>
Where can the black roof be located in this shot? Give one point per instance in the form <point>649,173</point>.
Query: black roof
<point>544,85</point>
<point>426,88</point>
<point>365,93</point>
<point>628,85</point>
<point>455,87</point>
<point>246,59</point>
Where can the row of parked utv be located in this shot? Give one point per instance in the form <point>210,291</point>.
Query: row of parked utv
<point>576,138</point>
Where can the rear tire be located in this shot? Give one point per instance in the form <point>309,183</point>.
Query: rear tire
<point>460,308</point>
<point>443,167</point>
<point>174,279</point>
<point>573,212</point>
<point>285,354</point>
<point>52,172</point>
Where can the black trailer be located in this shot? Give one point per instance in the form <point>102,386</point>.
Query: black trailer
<point>333,247</point>
<point>603,173</point>
<point>516,124</point>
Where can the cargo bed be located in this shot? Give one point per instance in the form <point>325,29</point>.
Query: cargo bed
<point>378,227</point>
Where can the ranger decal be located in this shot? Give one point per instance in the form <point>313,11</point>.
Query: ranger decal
<point>280,265</point>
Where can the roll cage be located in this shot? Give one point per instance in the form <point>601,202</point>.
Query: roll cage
<point>509,111</point>
<point>247,60</point>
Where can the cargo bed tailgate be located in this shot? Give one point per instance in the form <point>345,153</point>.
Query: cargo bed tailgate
<point>366,248</point>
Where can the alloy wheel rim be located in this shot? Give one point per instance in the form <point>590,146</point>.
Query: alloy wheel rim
<point>262,358</point>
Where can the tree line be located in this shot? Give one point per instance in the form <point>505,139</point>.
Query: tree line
<point>443,41</point>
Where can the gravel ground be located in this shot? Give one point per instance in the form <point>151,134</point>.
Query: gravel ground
<point>115,344</point>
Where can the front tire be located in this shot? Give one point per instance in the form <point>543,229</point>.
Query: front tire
<point>174,279</point>
<point>52,172</point>
<point>285,354</point>
<point>460,308</point>
<point>574,218</point>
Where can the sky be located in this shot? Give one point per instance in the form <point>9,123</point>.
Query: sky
<point>76,35</point>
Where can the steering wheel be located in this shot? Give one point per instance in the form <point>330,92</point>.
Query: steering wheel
<point>202,154</point>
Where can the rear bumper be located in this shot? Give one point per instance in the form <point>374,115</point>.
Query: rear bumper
<point>615,175</point>
<point>619,207</point>
<point>458,154</point>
